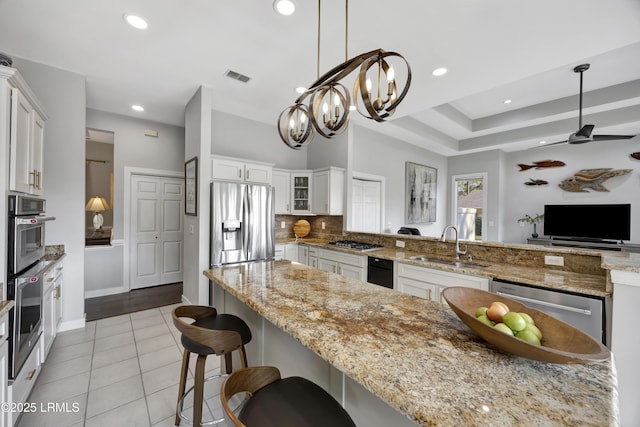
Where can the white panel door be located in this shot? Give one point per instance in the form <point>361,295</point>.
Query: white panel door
<point>156,231</point>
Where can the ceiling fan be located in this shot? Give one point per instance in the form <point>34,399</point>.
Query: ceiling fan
<point>584,132</point>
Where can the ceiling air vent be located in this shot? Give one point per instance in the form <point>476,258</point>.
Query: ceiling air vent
<point>237,76</point>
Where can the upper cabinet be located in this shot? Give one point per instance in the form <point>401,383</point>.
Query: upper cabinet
<point>328,191</point>
<point>229,169</point>
<point>281,180</point>
<point>26,119</point>
<point>301,192</point>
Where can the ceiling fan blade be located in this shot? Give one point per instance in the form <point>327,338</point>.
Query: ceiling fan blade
<point>547,145</point>
<point>608,137</point>
<point>585,131</point>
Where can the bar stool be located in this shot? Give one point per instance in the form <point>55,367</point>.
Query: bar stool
<point>276,402</point>
<point>210,333</point>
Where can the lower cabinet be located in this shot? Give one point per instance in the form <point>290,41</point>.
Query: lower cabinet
<point>51,307</point>
<point>23,384</point>
<point>345,264</point>
<point>4,367</point>
<point>430,282</point>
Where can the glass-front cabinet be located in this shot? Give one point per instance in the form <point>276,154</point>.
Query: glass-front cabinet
<point>301,192</point>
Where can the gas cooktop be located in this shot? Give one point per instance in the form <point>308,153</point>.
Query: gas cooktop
<point>356,246</point>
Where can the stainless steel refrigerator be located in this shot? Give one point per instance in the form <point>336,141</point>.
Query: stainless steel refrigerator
<point>242,223</point>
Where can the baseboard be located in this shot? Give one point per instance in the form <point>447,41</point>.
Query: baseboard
<point>185,300</point>
<point>104,292</point>
<point>71,324</point>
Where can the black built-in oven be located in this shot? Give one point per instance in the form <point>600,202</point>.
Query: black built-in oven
<point>25,271</point>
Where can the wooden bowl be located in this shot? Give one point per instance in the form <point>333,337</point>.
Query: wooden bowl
<point>561,342</point>
<point>301,228</point>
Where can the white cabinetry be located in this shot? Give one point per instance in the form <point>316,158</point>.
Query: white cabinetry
<point>281,180</point>
<point>278,252</point>
<point>23,384</point>
<point>328,191</point>
<point>229,169</point>
<point>429,282</point>
<point>25,123</point>
<point>313,257</point>
<point>4,366</point>
<point>291,252</point>
<point>301,192</point>
<point>51,307</point>
<point>349,265</point>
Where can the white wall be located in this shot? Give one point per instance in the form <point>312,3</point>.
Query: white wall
<point>131,148</point>
<point>63,96</point>
<point>235,136</point>
<point>196,235</point>
<point>509,199</point>
<point>378,154</point>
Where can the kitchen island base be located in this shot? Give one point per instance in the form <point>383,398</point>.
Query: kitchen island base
<point>271,346</point>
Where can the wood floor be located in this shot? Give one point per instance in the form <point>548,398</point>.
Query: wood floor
<point>135,300</point>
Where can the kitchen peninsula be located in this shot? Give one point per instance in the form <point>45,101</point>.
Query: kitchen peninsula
<point>410,353</point>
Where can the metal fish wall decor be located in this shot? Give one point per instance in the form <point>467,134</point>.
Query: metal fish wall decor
<point>635,155</point>
<point>541,164</point>
<point>590,178</point>
<point>536,182</point>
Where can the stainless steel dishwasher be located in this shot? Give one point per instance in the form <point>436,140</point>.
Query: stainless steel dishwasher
<point>590,314</point>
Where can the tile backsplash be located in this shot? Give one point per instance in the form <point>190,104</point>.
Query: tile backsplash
<point>332,226</point>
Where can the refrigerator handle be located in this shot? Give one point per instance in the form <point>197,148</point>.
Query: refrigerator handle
<point>246,214</point>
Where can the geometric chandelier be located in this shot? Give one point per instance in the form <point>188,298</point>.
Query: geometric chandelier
<point>324,106</point>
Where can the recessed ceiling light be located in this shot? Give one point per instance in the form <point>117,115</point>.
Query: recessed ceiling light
<point>284,7</point>
<point>543,142</point>
<point>439,71</point>
<point>301,89</point>
<point>507,101</point>
<point>135,21</point>
<point>139,108</point>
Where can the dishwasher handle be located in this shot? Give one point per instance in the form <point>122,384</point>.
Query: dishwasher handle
<point>547,304</point>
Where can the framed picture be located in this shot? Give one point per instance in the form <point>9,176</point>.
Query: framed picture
<point>191,187</point>
<point>421,184</point>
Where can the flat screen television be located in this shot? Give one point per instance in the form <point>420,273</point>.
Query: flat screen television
<point>588,222</point>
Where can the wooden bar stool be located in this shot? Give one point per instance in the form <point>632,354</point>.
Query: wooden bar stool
<point>210,333</point>
<point>276,402</point>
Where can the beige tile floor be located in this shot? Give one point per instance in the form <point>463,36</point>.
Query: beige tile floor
<point>119,371</point>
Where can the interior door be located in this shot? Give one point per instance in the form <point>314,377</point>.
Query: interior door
<point>156,230</point>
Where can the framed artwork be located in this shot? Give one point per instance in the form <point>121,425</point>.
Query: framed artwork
<point>421,184</point>
<point>191,187</point>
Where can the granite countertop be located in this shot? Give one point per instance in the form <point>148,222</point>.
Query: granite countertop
<point>5,306</point>
<point>587,284</point>
<point>416,355</point>
<point>625,261</point>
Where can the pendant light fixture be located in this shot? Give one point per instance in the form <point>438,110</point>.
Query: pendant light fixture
<point>329,101</point>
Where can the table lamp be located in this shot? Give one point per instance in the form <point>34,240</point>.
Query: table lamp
<point>97,204</point>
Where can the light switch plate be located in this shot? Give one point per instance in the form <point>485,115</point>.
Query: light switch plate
<point>399,244</point>
<point>282,224</point>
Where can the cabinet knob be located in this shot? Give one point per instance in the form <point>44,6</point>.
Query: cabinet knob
<point>247,175</point>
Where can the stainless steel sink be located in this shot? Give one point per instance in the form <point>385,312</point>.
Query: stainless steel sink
<point>446,262</point>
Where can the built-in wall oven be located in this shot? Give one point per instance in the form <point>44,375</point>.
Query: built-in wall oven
<point>25,272</point>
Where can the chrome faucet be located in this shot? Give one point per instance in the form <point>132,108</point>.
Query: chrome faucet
<point>457,250</point>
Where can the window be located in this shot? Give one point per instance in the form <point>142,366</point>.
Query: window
<point>469,206</point>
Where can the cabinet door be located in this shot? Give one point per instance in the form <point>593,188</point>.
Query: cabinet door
<point>260,174</point>
<point>282,191</point>
<point>37,151</point>
<point>415,288</point>
<point>22,177</point>
<point>291,252</point>
<point>326,265</point>
<point>352,272</point>
<point>4,379</point>
<point>301,193</point>
<point>48,321</point>
<point>57,295</point>
<point>321,192</point>
<point>303,254</point>
<point>226,169</point>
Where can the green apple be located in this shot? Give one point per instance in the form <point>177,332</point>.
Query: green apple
<point>481,311</point>
<point>503,328</point>
<point>527,318</point>
<point>514,321</point>
<point>485,319</point>
<point>534,329</point>
<point>529,337</point>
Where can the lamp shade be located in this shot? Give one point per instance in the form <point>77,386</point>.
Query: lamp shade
<point>97,204</point>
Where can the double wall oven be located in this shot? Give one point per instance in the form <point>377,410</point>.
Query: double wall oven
<point>25,275</point>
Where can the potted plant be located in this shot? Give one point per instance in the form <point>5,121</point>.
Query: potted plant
<point>532,220</point>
